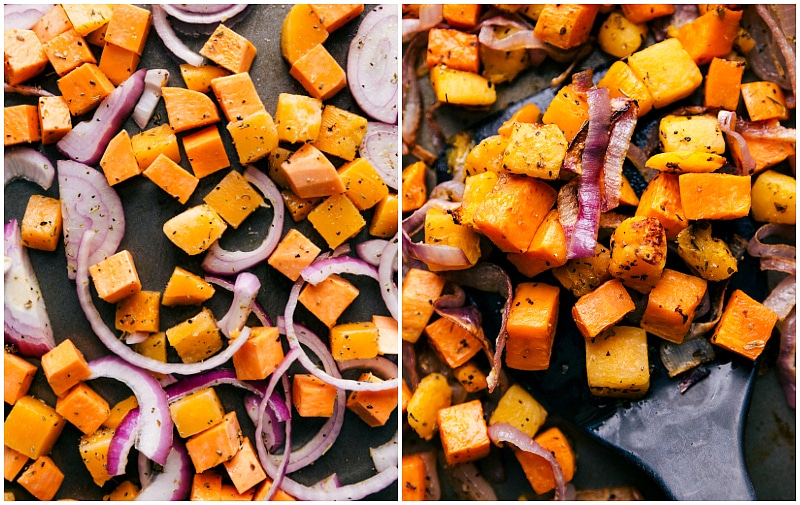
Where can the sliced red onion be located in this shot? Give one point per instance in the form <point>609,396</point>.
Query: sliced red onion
<point>194,15</point>
<point>329,482</point>
<point>110,340</point>
<point>452,191</point>
<point>154,80</point>
<point>341,250</point>
<point>781,257</point>
<point>379,147</point>
<point>787,359</point>
<point>470,484</point>
<point>321,269</point>
<point>372,64</point>
<point>191,384</point>
<point>382,367</point>
<point>88,203</point>
<point>450,257</point>
<point>23,162</point>
<point>202,8</point>
<point>26,90</point>
<point>171,40</point>
<point>167,380</point>
<point>568,206</point>
<point>220,281</point>
<point>766,130</point>
<point>616,153</point>
<point>154,429</point>
<point>23,16</point>
<point>385,456</point>
<point>727,123</point>
<point>386,270</point>
<point>221,261</point>
<point>429,16</point>
<point>433,490</point>
<point>244,294</point>
<point>87,141</point>
<point>453,308</point>
<point>678,358</point>
<point>175,480</point>
<point>783,297</point>
<point>145,469</point>
<point>780,38</point>
<point>25,320</point>
<point>692,377</point>
<point>273,435</point>
<point>522,38</point>
<point>638,157</point>
<point>370,250</point>
<point>503,432</point>
<point>410,373</point>
<point>122,442</point>
<point>412,98</point>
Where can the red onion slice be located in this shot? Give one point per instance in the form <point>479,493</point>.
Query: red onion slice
<point>87,141</point>
<point>783,297</point>
<point>382,367</point>
<point>171,40</point>
<point>25,90</point>
<point>470,484</point>
<point>154,80</point>
<point>385,455</point>
<point>23,16</point>
<point>617,151</point>
<point>429,16</point>
<point>88,203</point>
<point>372,64</point>
<point>273,435</point>
<point>25,320</point>
<point>122,443</point>
<point>781,39</point>
<point>386,270</point>
<point>412,98</point>
<point>781,257</point>
<point>433,490</point>
<point>370,251</point>
<point>29,164</point>
<point>215,15</point>
<point>244,294</point>
<point>154,429</point>
<point>175,480</point>
<point>221,261</point>
<point>727,123</point>
<point>379,147</point>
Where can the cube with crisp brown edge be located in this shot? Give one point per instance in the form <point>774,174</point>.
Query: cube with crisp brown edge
<point>671,305</point>
<point>463,432</point>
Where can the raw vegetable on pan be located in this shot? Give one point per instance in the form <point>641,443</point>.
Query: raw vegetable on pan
<point>627,204</point>
<point>200,248</point>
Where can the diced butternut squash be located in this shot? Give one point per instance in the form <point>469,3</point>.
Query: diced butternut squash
<point>196,338</point>
<point>334,16</point>
<point>24,56</point>
<point>414,477</point>
<point>126,491</point>
<point>84,88</point>
<point>263,488</point>
<point>764,100</point>
<point>519,409</point>
<point>565,25</point>
<point>373,407</point>
<point>745,326</point>
<point>234,198</point>
<point>128,27</point>
<point>538,471</point>
<point>640,13</point>
<point>229,493</point>
<point>671,305</point>
<point>319,73</point>
<point>774,198</point>
<point>187,109</point>
<point>42,478</point>
<point>254,137</point>
<point>463,432</point>
<point>88,17</point>
<point>139,312</point>
<point>21,125</point>
<point>93,447</point>
<point>686,162</point>
<point>205,151</point>
<point>387,334</point>
<point>298,208</point>
<point>64,366</point>
<point>196,412</point>
<point>487,156</point>
<point>294,252</point>
<point>32,427</point>
<point>195,229</point>
<point>442,229</point>
<point>312,397</point>
<point>413,186</point>
<point>216,444</point>
<point>186,288</point>
<point>452,343</point>
<point>459,87</point>
<point>118,63</point>
<point>617,363</point>
<point>619,37</point>
<point>621,81</point>
<point>535,150</point>
<point>237,96</point>
<point>149,144</point>
<point>244,469</point>
<point>668,71</point>
<point>300,32</point>
<point>582,275</point>
<point>115,277</point>
<point>661,199</point>
<point>471,377</point>
<point>97,37</point>
<point>18,376</point>
<point>260,355</point>
<point>385,217</point>
<point>229,50</point>
<point>340,133</point>
<point>714,196</point>
<point>420,289</point>
<point>119,411</point>
<point>41,224</point>
<point>298,118</point>
<point>54,118</point>
<point>700,133</point>
<point>329,298</point>
<point>119,161</point>
<point>199,78</point>
<point>354,341</point>
<point>206,486</point>
<point>476,188</point>
<point>13,462</point>
<point>531,326</point>
<point>462,15</point>
<point>452,48</point>
<point>548,248</point>
<point>601,309</point>
<point>723,83</point>
<point>154,347</point>
<point>711,34</point>
<point>765,151</point>
<point>84,408</point>
<point>432,394</point>
<point>337,219</point>
<point>54,22</point>
<point>638,252</point>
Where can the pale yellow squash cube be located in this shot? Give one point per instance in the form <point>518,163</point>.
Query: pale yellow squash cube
<point>459,87</point>
<point>354,341</point>
<point>432,394</point>
<point>774,198</point>
<point>364,186</point>
<point>617,363</point>
<point>196,338</point>
<point>519,409</point>
<point>196,412</point>
<point>384,217</point>
<point>441,229</point>
<point>298,118</point>
<point>668,71</point>
<point>691,133</point>
<point>254,136</point>
<point>337,219</point>
<point>86,18</point>
<point>535,150</point>
<point>195,229</point>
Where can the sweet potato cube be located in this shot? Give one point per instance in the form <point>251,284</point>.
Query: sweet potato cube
<point>196,412</point>
<point>531,326</point>
<point>32,427</point>
<point>199,78</point>
<point>617,363</point>
<point>41,224</point>
<point>420,289</point>
<point>206,486</point>
<point>453,48</point>
<point>671,305</point>
<point>83,407</point>
<point>126,491</point>
<point>237,96</point>
<point>319,73</point>
<point>661,199</point>
<point>234,198</point>
<point>275,166</point>
<point>385,217</point>
<point>229,493</point>
<point>459,87</point>
<point>621,81</point>
<point>64,366</point>
<point>119,161</point>
<point>712,34</point>
<point>301,31</point>
<point>244,468</point>
<point>24,56</point>
<point>87,18</point>
<point>337,219</point>
<point>13,462</point>
<point>128,27</point>
<point>229,50</point>
<point>294,252</point>
<point>745,326</point>
<point>196,338</point>
<point>84,88</point>
<point>54,22</point>
<point>714,195</point>
<point>463,432</point>
<point>601,309</point>
<point>452,343</point>
<point>413,186</point>
<point>535,150</point>
<point>354,341</point>
<point>723,83</point>
<point>334,16</point>
<point>216,444</point>
<point>54,118</point>
<point>764,100</point>
<point>472,378</point>
<point>548,248</point>
<point>373,407</point>
<point>260,355</point>
<point>298,118</point>
<point>118,63</point>
<point>254,137</point>
<point>187,109</point>
<point>487,156</point>
<point>565,25</point>
<point>513,210</point>
<point>93,447</point>
<point>462,15</point>
<point>21,125</point>
<point>442,229</point>
<point>519,409</point>
<point>42,479</point>
<point>97,37</point>
<point>641,13</point>
<point>115,277</point>
<point>414,477</point>
<point>310,174</point>
<point>329,298</point>
<point>538,471</point>
<point>18,376</point>
<point>432,394</point>
<point>668,71</point>
<point>312,397</point>
<point>139,312</point>
<point>119,411</point>
<point>195,229</point>
<point>205,151</point>
<point>149,144</point>
<point>186,288</point>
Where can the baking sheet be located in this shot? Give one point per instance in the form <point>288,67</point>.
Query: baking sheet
<point>147,207</point>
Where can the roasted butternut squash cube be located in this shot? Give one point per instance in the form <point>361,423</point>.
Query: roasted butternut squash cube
<point>699,133</point>
<point>774,198</point>
<point>442,229</point>
<point>298,118</point>
<point>531,326</point>
<point>385,217</point>
<point>502,65</point>
<point>93,447</point>
<point>254,137</point>
<point>639,252</point>
<point>119,411</point>
<point>354,341</point>
<point>640,13</point>
<point>196,338</point>
<point>568,109</point>
<point>301,30</point>
<point>519,409</point>
<point>661,199</point>
<point>83,407</point>
<point>334,16</point>
<point>18,376</point>
<point>195,229</point>
<point>723,83</point>
<point>186,288</point>
<point>87,18</point>
<point>621,81</point>
<point>41,224</point>
<point>205,151</point>
<point>459,87</point>
<point>118,63</point>
<point>453,48</point>
<point>260,355</point>
<point>363,185</point>
<point>216,444</point>
<point>617,364</point>
<point>126,491</point>
<point>538,471</point>
<point>476,187</point>
<point>487,156</point>
<point>312,397</point>
<point>294,252</point>
<point>329,298</point>
<point>64,366</point>
<point>714,195</point>
<point>149,144</point>
<point>602,308</point>
<point>237,96</point>
<point>548,248</point>
<point>196,412</point>
<point>535,150</point>
<point>432,394</point>
<point>413,473</point>
<point>32,427</point>
<point>565,25</point>
<point>337,219</point>
<point>234,198</point>
<point>341,132</point>
<point>373,407</point>
<point>745,326</point>
<point>668,71</point>
<point>463,432</point>
<point>764,100</point>
<point>244,468</point>
<point>420,289</point>
<point>139,312</point>
<point>42,478</point>
<point>452,343</point>
<point>24,56</point>
<point>582,275</point>
<point>671,305</point>
<point>229,50</point>
<point>414,190</point>
<point>472,378</point>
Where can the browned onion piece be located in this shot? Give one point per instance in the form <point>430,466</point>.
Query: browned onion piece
<point>766,130</point>
<point>781,300</point>
<point>621,133</point>
<point>727,123</point>
<point>783,44</point>
<point>429,16</point>
<point>433,490</point>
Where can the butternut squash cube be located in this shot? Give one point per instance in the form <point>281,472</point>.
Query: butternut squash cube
<point>244,468</point>
<point>195,229</point>
<point>18,376</point>
<point>41,224</point>
<point>294,252</point>
<point>216,444</point>
<point>415,192</point>
<point>300,32</point>
<point>312,397</point>
<point>432,394</point>
<point>340,133</point>
<point>668,71</point>
<point>617,363</point>
<point>420,289</point>
<point>385,217</point>
<point>387,334</point>
<point>329,298</point>
<point>298,208</point>
<point>128,27</point>
<point>54,118</point>
<point>476,187</point>
<point>21,125</point>
<point>452,343</point>
<point>531,326</point>
<point>118,63</point>
<point>84,408</point>
<point>229,50</point>
<point>298,118</point>
<point>196,338</point>
<point>228,493</point>
<point>487,156</point>
<point>334,16</point>
<point>310,174</point>
<point>237,96</point>
<point>187,109</point>
<point>363,185</point>
<point>32,427</point>
<point>260,355</point>
<point>471,377</point>
<point>671,305</point>
<point>535,150</point>
<point>538,471</point>
<point>601,309</point>
<point>373,407</point>
<point>568,109</point>
<point>149,144</point>
<point>120,410</point>
<point>119,161</point>
<point>234,198</point>
<point>87,18</point>
<point>42,479</point>
<point>764,100</point>
<point>24,56</point>
<point>442,229</point>
<point>565,25</point>
<point>67,51</point>
<point>199,78</point>
<point>93,447</point>
<point>54,21</point>
<point>714,195</point>
<point>84,88</point>
<point>319,73</point>
<point>139,312</point>
<point>64,366</point>
<point>196,412</point>
<point>454,49</point>
<point>699,133</point>
<point>186,288</point>
<point>154,347</point>
<point>413,475</point>
<point>661,199</point>
<point>13,462</point>
<point>254,137</point>
<point>463,432</point>
<point>337,219</point>
<point>115,277</point>
<point>205,151</point>
<point>621,81</point>
<point>639,252</point>
<point>206,486</point>
<point>519,409</point>
<point>745,326</point>
<point>548,248</point>
<point>126,491</point>
<point>582,275</point>
<point>458,87</point>
<point>354,341</point>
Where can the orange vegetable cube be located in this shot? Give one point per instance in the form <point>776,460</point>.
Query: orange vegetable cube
<point>13,462</point>
<point>471,377</point>
<point>334,16</point>
<point>745,326</point>
<point>263,488</point>
<point>312,397</point>
<point>196,338</point>
<point>42,479</point>
<point>17,377</point>
<point>216,444</point>
<point>128,27</point>
<point>535,150</point>
<point>661,199</point>
<point>538,471</point>
<point>723,83</point>
<point>234,198</point>
<point>462,15</point>
<point>126,491</point>
<point>298,118</point>
<point>354,341</point>
<point>206,486</point>
<point>138,312</point>
<point>196,412</point>
<point>260,355</point>
<point>640,13</point>
<point>340,133</point>
<point>205,151</point>
<point>84,408</point>
<point>668,71</point>
<point>569,110</point>
<point>319,73</point>
<point>67,51</point>
<point>147,145</point>
<point>54,118</point>
<point>463,432</point>
<point>621,81</point>
<point>547,250</point>
<point>414,477</point>
<point>617,363</point>
<point>452,343</point>
<point>199,78</point>
<point>119,161</point>
<point>385,217</point>
<point>155,347</point>
<point>453,48</point>
<point>237,96</point>
<point>531,326</point>
<point>711,34</point>
<point>363,185</point>
<point>337,219</point>
<point>97,38</point>
<point>565,25</point>
<point>186,288</point>
<point>300,32</point>
<point>671,305</point>
<point>53,23</point>
<point>24,56</point>
<point>441,228</point>
<point>254,137</point>
<point>459,87</point>
<point>601,309</point>
<point>41,224</point>
<point>405,396</point>
<point>188,109</point>
<point>329,298</point>
<point>115,277</point>
<point>195,229</point>
<point>413,182</point>
<point>84,88</point>
<point>244,468</point>
<point>21,125</point>
<point>64,366</point>
<point>387,334</point>
<point>764,100</point>
<point>87,18</point>
<point>32,427</point>
<point>373,407</point>
<point>714,195</point>
<point>119,411</point>
<point>118,63</point>
<point>229,50</point>
<point>420,289</point>
<point>293,253</point>
<point>765,151</point>
<point>229,493</point>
